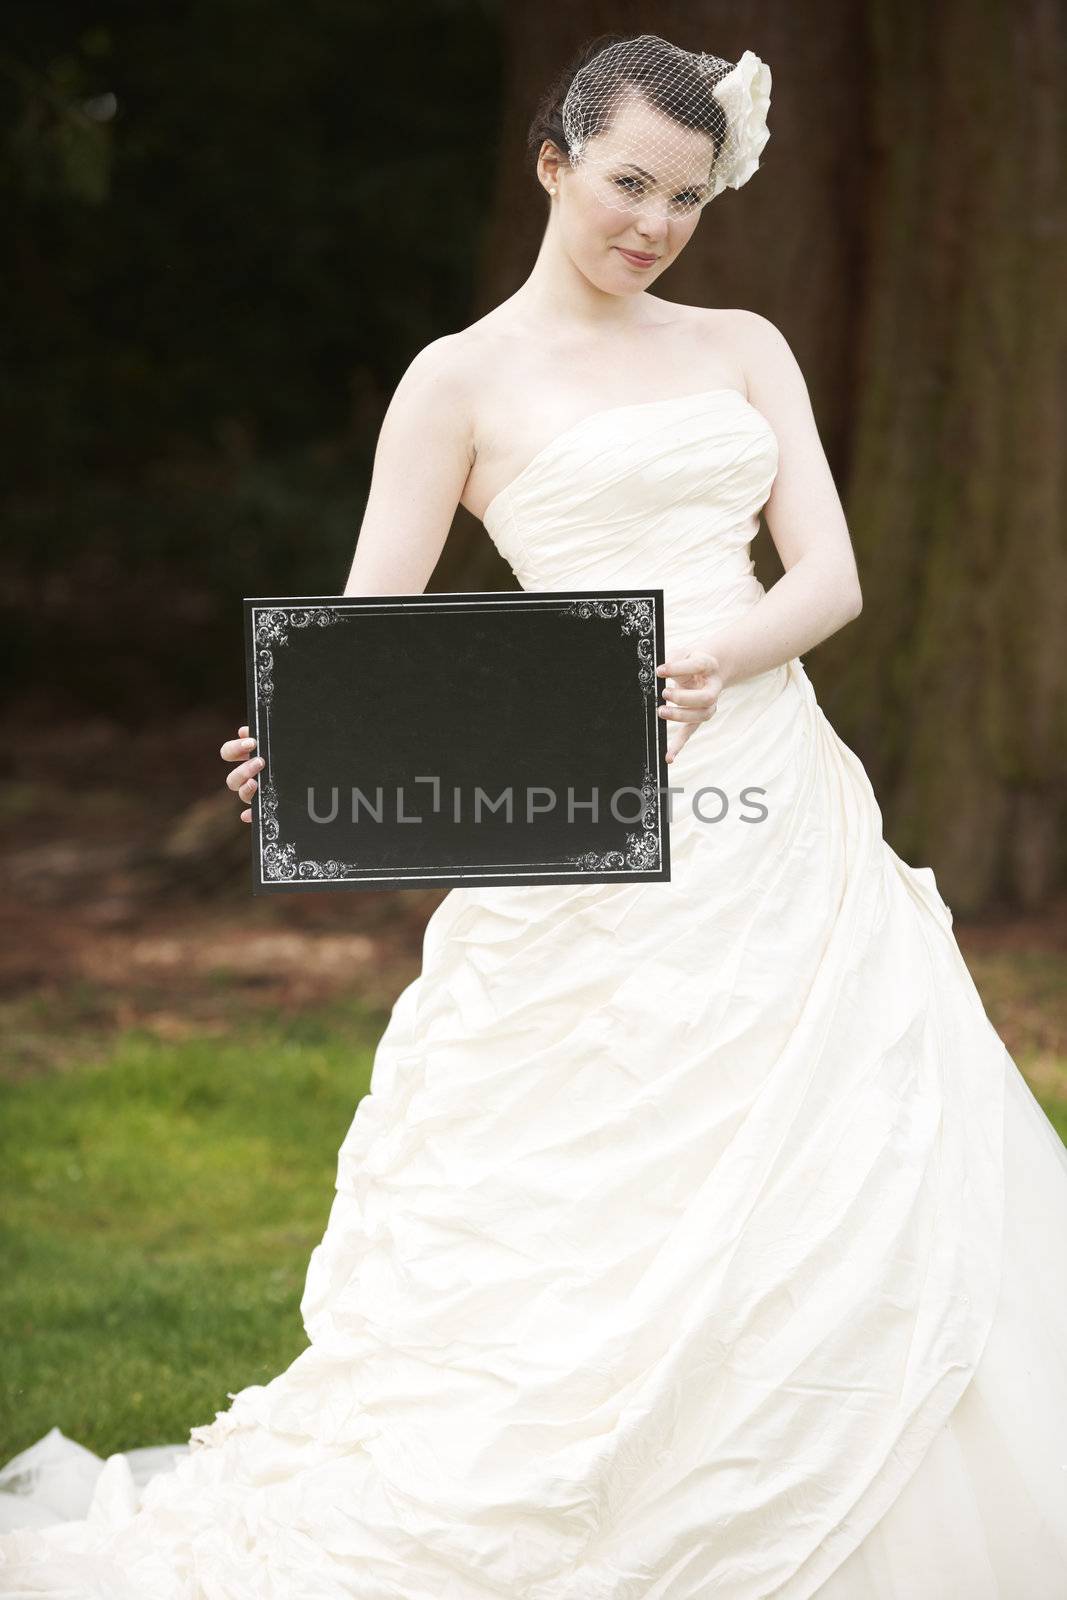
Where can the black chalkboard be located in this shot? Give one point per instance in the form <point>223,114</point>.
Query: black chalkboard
<point>457,739</point>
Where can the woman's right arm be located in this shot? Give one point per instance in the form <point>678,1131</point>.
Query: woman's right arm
<point>423,457</point>
<point>424,454</point>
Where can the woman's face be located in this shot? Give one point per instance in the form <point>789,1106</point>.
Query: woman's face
<point>637,187</point>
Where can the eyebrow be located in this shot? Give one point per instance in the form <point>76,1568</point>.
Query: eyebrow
<point>700,185</point>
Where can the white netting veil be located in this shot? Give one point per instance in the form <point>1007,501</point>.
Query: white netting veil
<point>648,123</point>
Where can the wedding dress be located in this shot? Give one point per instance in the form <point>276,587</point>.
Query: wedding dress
<point>697,1240</point>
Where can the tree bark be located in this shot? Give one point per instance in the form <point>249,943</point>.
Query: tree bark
<point>950,685</point>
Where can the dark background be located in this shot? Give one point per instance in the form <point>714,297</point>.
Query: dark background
<point>230,226</point>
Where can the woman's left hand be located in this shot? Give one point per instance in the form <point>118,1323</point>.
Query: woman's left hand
<point>694,684</point>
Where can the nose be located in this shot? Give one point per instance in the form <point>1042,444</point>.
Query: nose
<point>652,217</point>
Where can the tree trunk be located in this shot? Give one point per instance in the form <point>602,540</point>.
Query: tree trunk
<point>950,684</point>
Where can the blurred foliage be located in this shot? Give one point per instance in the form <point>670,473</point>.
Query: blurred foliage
<point>283,202</point>
<point>129,596</point>
<point>229,228</point>
<point>58,144</point>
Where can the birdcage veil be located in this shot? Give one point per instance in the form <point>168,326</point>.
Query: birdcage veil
<point>648,121</point>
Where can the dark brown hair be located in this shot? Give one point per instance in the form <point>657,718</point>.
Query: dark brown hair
<point>669,81</point>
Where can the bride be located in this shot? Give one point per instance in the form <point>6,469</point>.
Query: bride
<point>695,1239</point>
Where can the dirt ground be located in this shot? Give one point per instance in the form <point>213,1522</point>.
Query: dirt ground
<point>127,902</point>
<point>126,877</point>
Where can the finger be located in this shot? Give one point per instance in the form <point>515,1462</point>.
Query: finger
<point>237,749</point>
<point>241,774</point>
<point>703,696</point>
<point>247,790</point>
<point>246,816</point>
<point>687,664</point>
<point>682,714</point>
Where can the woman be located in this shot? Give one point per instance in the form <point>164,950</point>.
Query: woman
<point>695,1239</point>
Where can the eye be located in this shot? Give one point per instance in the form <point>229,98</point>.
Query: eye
<point>633,185</point>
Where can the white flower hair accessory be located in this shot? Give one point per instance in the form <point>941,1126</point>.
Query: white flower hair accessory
<point>706,131</point>
<point>745,96</point>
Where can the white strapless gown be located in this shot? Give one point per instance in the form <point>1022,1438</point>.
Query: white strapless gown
<point>696,1241</point>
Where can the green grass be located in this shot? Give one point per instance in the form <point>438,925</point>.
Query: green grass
<point>158,1212</point>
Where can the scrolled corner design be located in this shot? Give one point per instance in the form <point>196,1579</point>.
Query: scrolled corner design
<point>641,852</point>
<point>636,617</point>
<point>272,632</point>
<point>281,862</point>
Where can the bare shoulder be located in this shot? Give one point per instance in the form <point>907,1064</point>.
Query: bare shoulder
<point>765,355</point>
<point>432,409</point>
<point>440,371</point>
<point>716,336</point>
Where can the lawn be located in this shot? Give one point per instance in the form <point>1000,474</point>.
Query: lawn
<point>158,1211</point>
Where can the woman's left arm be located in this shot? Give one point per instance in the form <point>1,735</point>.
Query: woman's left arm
<point>819,592</point>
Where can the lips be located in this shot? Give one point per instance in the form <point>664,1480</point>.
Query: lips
<point>636,257</point>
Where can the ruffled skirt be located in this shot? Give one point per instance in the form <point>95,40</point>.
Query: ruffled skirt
<point>696,1239</point>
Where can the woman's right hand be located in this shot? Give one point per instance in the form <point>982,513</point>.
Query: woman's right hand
<point>242,779</point>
